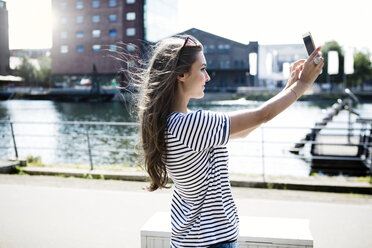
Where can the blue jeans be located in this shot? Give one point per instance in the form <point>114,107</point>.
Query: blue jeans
<point>233,244</point>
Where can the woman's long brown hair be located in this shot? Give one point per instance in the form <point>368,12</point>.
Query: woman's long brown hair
<point>170,59</point>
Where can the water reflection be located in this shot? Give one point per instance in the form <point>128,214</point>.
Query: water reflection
<point>32,138</point>
<point>106,111</point>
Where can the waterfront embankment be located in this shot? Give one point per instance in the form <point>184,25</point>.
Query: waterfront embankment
<point>316,183</point>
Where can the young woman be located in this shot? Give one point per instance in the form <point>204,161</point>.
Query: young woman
<point>189,147</point>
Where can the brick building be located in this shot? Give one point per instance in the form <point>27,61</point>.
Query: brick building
<point>4,40</point>
<point>227,61</point>
<point>86,32</point>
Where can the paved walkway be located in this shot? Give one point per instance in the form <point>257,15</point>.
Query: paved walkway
<point>44,211</point>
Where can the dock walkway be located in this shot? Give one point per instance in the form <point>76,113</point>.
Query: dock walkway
<point>49,211</point>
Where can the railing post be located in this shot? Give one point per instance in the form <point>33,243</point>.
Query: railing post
<point>350,103</point>
<point>89,150</point>
<point>262,154</point>
<point>14,141</point>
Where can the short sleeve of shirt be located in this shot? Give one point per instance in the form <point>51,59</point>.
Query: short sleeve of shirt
<point>201,130</point>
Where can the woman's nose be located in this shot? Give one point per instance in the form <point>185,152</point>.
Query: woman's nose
<point>207,78</point>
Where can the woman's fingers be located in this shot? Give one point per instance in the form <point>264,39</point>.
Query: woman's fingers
<point>295,72</point>
<point>312,69</point>
<point>294,65</point>
<point>314,54</point>
<point>298,70</point>
<point>298,62</point>
<point>320,65</point>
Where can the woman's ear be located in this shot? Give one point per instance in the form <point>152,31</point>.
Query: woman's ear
<point>181,77</point>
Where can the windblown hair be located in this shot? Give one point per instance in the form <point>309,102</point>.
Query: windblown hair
<point>170,58</point>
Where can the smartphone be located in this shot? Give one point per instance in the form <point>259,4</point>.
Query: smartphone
<point>309,42</point>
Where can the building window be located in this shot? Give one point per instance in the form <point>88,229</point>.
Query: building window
<point>131,16</point>
<point>112,33</point>
<point>131,1</point>
<point>79,34</point>
<point>113,18</point>
<point>131,47</point>
<point>79,5</point>
<point>79,19</point>
<point>80,48</point>
<point>227,64</point>
<point>95,4</point>
<point>131,31</point>
<point>236,64</point>
<point>96,48</point>
<point>211,49</point>
<point>242,64</point>
<point>223,48</point>
<point>224,64</point>
<point>63,35</point>
<point>96,33</point>
<point>63,5</point>
<point>95,19</point>
<point>208,49</point>
<point>211,64</point>
<point>220,49</point>
<point>63,20</point>
<point>64,49</point>
<point>220,64</point>
<point>113,48</point>
<point>112,3</point>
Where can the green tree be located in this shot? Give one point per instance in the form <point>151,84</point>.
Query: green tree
<point>45,71</point>
<point>362,69</point>
<point>334,79</point>
<point>27,71</point>
<point>35,76</point>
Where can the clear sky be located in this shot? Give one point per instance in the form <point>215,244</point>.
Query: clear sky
<point>266,21</point>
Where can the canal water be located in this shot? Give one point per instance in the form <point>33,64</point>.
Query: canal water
<point>39,132</point>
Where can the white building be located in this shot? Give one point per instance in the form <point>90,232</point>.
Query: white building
<point>274,61</point>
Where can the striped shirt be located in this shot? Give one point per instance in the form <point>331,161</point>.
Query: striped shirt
<point>203,211</point>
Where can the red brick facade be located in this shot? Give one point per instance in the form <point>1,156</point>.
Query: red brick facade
<point>72,51</point>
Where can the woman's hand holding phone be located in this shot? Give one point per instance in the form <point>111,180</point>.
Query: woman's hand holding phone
<point>312,67</point>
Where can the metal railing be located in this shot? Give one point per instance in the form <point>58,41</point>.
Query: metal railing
<point>261,142</point>
<point>87,136</point>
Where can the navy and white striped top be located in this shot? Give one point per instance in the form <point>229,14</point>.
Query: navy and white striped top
<point>203,211</point>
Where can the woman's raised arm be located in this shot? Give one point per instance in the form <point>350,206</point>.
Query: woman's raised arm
<point>302,77</point>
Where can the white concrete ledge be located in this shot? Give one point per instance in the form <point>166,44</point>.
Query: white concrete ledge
<point>255,232</point>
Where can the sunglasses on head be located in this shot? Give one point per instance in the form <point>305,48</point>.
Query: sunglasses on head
<point>189,42</point>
